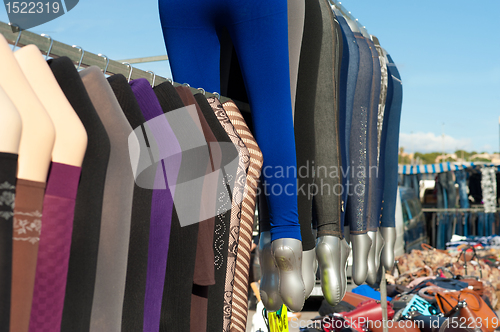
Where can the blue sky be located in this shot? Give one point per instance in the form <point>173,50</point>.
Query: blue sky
<point>448,54</point>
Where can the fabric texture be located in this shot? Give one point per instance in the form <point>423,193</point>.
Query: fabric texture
<point>26,239</point>
<point>229,153</point>
<point>88,205</point>
<point>217,299</point>
<point>237,201</point>
<point>235,225</point>
<point>296,12</point>
<point>348,79</point>
<point>176,299</point>
<point>135,284</point>
<point>189,26</point>
<point>393,106</point>
<point>161,205</point>
<point>239,310</point>
<point>383,117</point>
<point>107,305</point>
<point>375,186</point>
<point>204,269</point>
<point>327,191</point>
<point>54,247</point>
<point>357,203</point>
<point>304,121</point>
<point>8,171</point>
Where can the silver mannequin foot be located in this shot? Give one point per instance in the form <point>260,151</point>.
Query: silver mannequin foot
<point>345,249</point>
<point>269,282</point>
<point>378,251</point>
<point>309,266</point>
<point>371,276</point>
<point>288,256</point>
<point>389,235</point>
<point>361,244</point>
<point>328,252</point>
<point>347,234</point>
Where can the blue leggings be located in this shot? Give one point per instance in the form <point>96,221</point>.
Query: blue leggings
<point>348,78</point>
<point>393,107</point>
<point>358,200</point>
<point>259,33</point>
<point>375,186</point>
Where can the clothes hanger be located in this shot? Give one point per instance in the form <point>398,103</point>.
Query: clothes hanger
<point>107,62</point>
<point>50,47</point>
<point>154,78</point>
<point>130,70</point>
<point>81,58</point>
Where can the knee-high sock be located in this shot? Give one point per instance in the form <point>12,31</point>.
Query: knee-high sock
<point>88,205</point>
<point>8,171</point>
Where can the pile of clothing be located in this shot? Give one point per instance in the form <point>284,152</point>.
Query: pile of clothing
<point>429,290</point>
<point>464,262</point>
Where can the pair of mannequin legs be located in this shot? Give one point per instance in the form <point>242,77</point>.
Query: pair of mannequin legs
<point>317,136</point>
<point>195,34</point>
<point>51,131</point>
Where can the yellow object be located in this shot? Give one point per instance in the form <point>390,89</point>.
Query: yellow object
<point>278,321</point>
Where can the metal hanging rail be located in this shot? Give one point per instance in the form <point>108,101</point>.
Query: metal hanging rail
<point>83,58</point>
<point>146,59</point>
<point>454,210</point>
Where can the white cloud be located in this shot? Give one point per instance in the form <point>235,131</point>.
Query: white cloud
<point>430,142</point>
<point>486,148</point>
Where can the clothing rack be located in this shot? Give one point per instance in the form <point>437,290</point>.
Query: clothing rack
<point>454,210</point>
<point>83,58</point>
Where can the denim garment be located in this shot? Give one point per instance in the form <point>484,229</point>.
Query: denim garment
<point>489,222</point>
<point>383,117</point>
<point>441,222</point>
<point>448,181</point>
<point>374,186</point>
<point>358,201</point>
<point>480,224</point>
<point>348,78</point>
<point>412,181</point>
<point>393,107</point>
<point>461,176</point>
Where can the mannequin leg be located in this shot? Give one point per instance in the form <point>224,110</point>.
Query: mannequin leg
<point>328,165</point>
<point>260,37</point>
<point>193,47</point>
<point>393,106</point>
<point>264,72</point>
<point>288,256</point>
<point>320,61</point>
<point>269,283</point>
<point>272,118</point>
<point>357,204</point>
<point>350,58</point>
<point>305,145</point>
<point>374,190</point>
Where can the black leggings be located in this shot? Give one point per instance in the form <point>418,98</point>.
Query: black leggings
<point>321,23</point>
